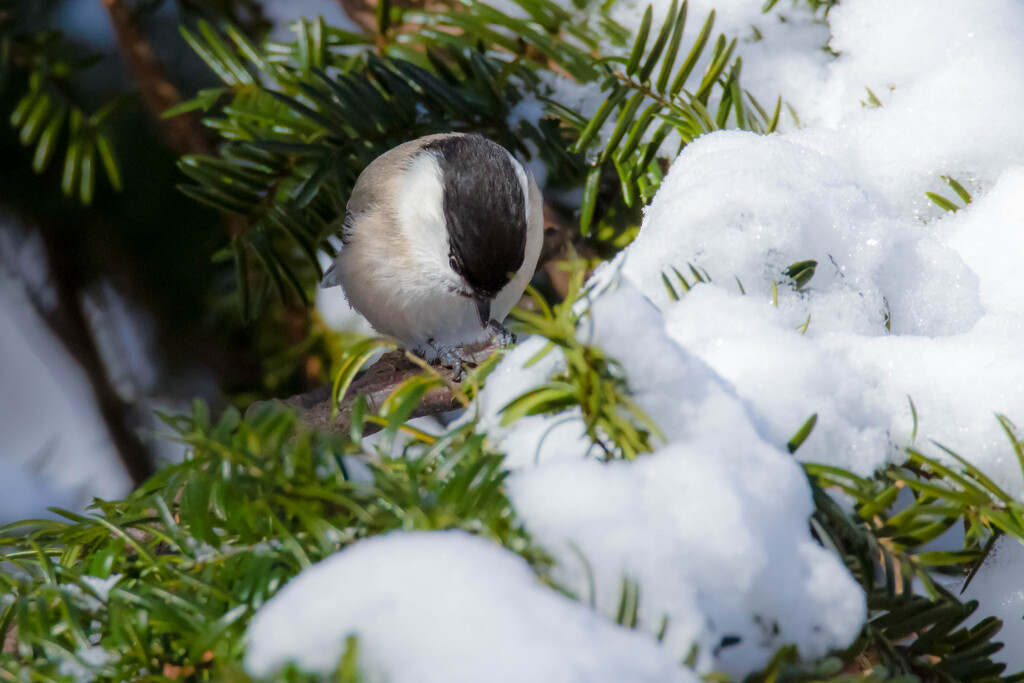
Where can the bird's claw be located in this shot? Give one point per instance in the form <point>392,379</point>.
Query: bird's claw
<point>501,337</point>
<point>455,357</point>
<point>451,357</point>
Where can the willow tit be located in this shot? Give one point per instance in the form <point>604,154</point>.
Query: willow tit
<point>442,235</point>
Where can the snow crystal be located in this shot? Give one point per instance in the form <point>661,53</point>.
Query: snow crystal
<point>906,304</point>
<point>957,384</point>
<point>537,437</point>
<point>743,206</point>
<point>444,606</point>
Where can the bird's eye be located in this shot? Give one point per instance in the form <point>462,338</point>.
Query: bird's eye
<point>452,263</point>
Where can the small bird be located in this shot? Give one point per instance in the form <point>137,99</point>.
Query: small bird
<point>442,235</point>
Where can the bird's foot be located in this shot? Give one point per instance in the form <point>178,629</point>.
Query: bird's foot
<point>455,357</point>
<point>450,357</point>
<point>501,337</point>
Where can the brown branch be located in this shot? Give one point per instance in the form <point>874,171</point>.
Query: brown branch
<point>180,133</point>
<point>68,323</point>
<point>9,640</point>
<point>376,384</point>
<point>364,12</point>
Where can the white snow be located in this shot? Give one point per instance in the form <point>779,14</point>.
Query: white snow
<point>907,304</point>
<point>283,13</point>
<point>100,586</point>
<point>785,375</point>
<point>708,552</point>
<point>712,549</point>
<point>950,75</point>
<point>54,449</point>
<point>446,607</point>
<point>848,192</point>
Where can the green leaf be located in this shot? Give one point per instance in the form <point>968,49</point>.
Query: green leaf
<point>873,100</point>
<point>36,119</point>
<point>694,55</point>
<point>48,139</point>
<point>225,55</point>
<point>942,202</point>
<point>641,41</point>
<point>673,47</point>
<point>801,434</point>
<point>590,198</point>
<point>669,288</point>
<point>352,361</point>
<point>659,44</point>
<point>639,127</point>
<point>209,56</point>
<point>723,52</point>
<point>964,195</point>
<point>400,404</point>
<point>546,398</point>
<point>88,170</point>
<point>946,557</point>
<point>72,160</point>
<point>600,116</point>
<point>24,106</point>
<point>109,159</point>
<point>626,119</point>
<point>205,100</point>
<point>383,16</point>
<point>801,272</point>
<point>111,108</point>
<point>216,199</point>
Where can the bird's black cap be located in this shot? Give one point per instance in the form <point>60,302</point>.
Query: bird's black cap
<point>484,209</point>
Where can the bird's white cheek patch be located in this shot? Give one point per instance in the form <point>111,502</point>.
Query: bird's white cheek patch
<point>421,223</point>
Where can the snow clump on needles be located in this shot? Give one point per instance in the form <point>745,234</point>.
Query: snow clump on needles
<point>908,331</point>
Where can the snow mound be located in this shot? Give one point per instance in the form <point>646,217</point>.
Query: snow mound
<point>446,607</point>
<point>723,562</point>
<point>747,207</point>
<point>786,376</point>
<point>950,76</point>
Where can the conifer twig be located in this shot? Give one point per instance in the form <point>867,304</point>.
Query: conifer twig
<point>180,133</point>
<point>376,384</point>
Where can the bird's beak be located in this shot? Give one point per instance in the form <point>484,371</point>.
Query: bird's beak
<point>483,309</point>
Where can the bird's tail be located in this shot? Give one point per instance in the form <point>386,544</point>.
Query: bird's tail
<point>330,277</point>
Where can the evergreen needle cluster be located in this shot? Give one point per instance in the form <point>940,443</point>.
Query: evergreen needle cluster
<point>161,585</point>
